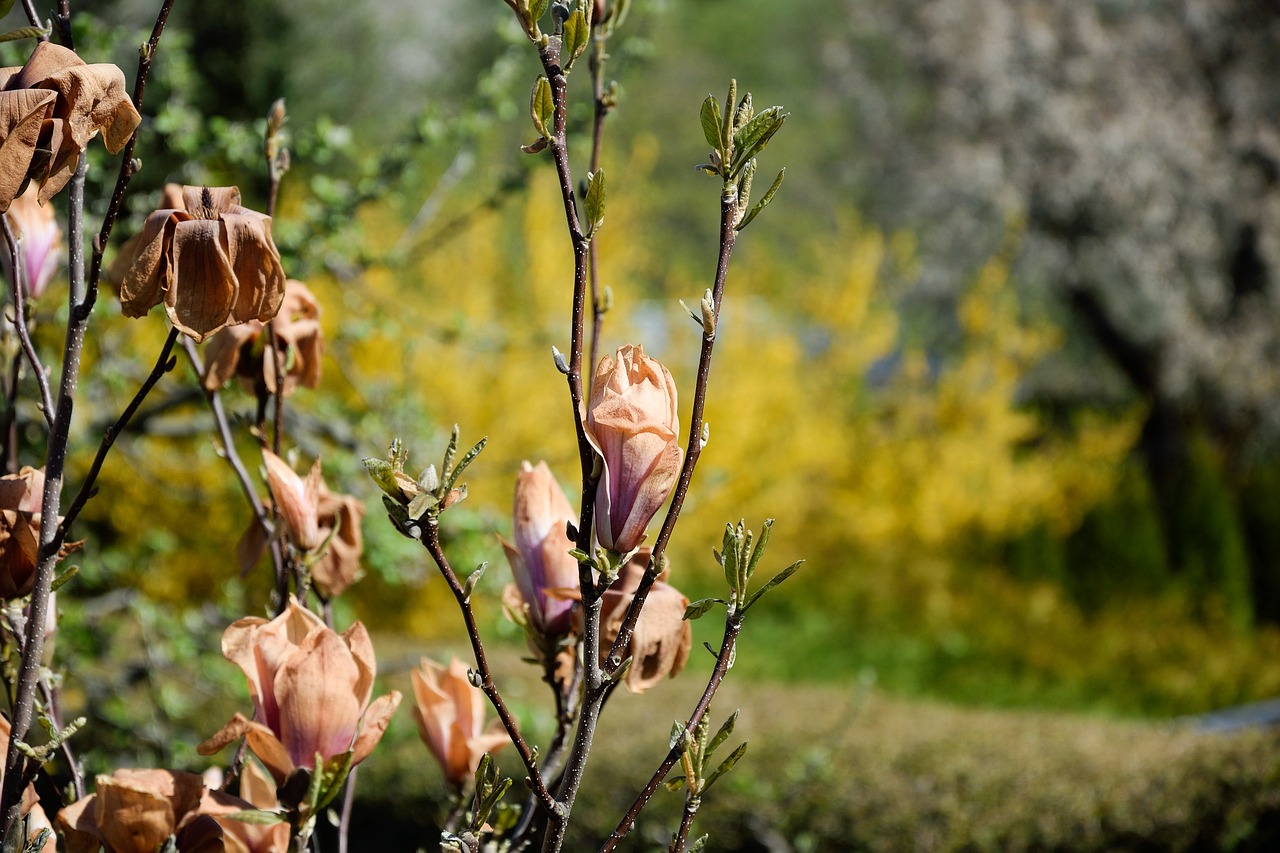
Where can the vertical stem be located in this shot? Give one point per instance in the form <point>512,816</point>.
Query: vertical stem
<point>693,449</point>
<point>598,57</point>
<point>348,801</point>
<point>691,805</point>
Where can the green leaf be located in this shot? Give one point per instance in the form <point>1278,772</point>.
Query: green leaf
<point>710,117</point>
<point>382,472</point>
<point>762,203</point>
<point>677,735</point>
<point>422,503</point>
<point>537,9</point>
<point>751,139</point>
<point>577,32</point>
<point>62,579</point>
<point>726,122</point>
<point>725,766</point>
<point>758,551</point>
<point>700,608</point>
<point>21,32</point>
<point>724,731</point>
<point>466,460</point>
<point>595,200</point>
<point>698,845</point>
<point>675,783</point>
<point>777,579</point>
<point>541,106</point>
<point>730,557</point>
<point>256,817</point>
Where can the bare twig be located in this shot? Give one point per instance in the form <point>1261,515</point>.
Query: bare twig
<point>431,540</point>
<point>9,423</point>
<point>82,295</point>
<point>732,626</point>
<point>598,59</point>
<point>691,805</point>
<point>693,450</point>
<point>348,802</point>
<point>242,475</point>
<point>34,17</point>
<point>164,364</point>
<point>20,322</point>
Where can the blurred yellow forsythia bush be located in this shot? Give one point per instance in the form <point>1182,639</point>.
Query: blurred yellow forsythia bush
<point>822,410</point>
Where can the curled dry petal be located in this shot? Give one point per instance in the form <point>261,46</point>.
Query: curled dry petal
<point>662,638</point>
<point>449,711</point>
<point>339,565</point>
<point>633,423</point>
<point>210,261</point>
<point>136,811</point>
<point>240,350</point>
<point>20,498</point>
<point>539,556</point>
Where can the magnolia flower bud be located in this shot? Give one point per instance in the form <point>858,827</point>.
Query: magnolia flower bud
<point>450,716</point>
<point>34,224</point>
<point>539,557</point>
<point>633,423</point>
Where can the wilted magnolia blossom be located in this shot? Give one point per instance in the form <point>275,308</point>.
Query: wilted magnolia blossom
<point>661,640</point>
<point>244,351</point>
<point>257,791</point>
<point>49,110</point>
<point>20,498</point>
<point>539,557</point>
<point>450,716</point>
<point>210,261</point>
<point>310,688</point>
<point>136,811</point>
<point>633,423</point>
<point>34,224</point>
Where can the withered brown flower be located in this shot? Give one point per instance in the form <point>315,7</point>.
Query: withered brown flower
<point>137,811</point>
<point>212,262</point>
<point>661,640</point>
<point>49,110</point>
<point>242,351</point>
<point>20,497</point>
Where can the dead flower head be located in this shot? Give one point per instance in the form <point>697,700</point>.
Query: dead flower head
<point>49,110</point>
<point>137,811</point>
<point>210,261</point>
<point>246,352</point>
<point>661,640</point>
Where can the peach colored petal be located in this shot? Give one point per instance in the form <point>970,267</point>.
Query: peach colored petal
<point>319,711</point>
<point>297,499</point>
<point>374,724</point>
<point>79,826</point>
<point>357,640</point>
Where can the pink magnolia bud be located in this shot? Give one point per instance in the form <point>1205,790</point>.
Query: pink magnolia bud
<point>450,716</point>
<point>633,423</point>
<point>298,500</point>
<point>35,225</point>
<point>539,557</point>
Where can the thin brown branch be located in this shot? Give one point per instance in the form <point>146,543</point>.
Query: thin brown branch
<point>431,540</point>
<point>598,59</point>
<point>732,626</point>
<point>164,364</point>
<point>242,476</point>
<point>18,292</point>
<point>691,805</point>
<point>348,804</point>
<point>33,16</point>
<point>693,449</point>
<point>9,423</point>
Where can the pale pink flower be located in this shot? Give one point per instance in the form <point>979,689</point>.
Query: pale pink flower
<point>633,423</point>
<point>297,500</point>
<point>41,249</point>
<point>450,716</point>
<point>539,556</point>
<point>310,687</point>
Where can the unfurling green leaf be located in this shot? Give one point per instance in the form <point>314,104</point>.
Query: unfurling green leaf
<point>473,579</point>
<point>724,731</point>
<point>710,117</point>
<point>257,817</point>
<point>538,8</point>
<point>752,138</point>
<point>451,476</point>
<point>726,122</point>
<point>675,783</point>
<point>777,579</point>
<point>542,107</point>
<point>763,202</point>
<point>700,608</point>
<point>577,32</point>
<point>758,551</point>
<point>677,735</point>
<point>725,766</point>
<point>62,579</point>
<point>21,32</point>
<point>595,200</point>
<point>698,845</point>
